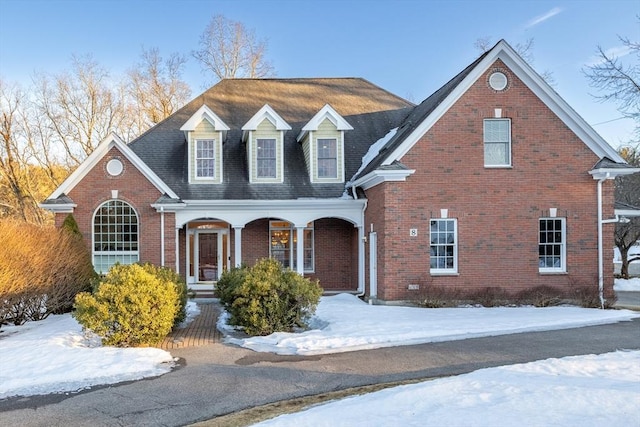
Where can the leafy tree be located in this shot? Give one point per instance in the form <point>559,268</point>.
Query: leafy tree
<point>230,50</point>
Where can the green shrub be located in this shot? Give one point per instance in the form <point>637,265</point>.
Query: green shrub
<point>267,298</point>
<point>229,283</point>
<point>133,306</point>
<point>169,275</point>
<point>71,226</point>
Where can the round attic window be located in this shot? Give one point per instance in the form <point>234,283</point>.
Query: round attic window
<point>498,81</point>
<point>114,167</point>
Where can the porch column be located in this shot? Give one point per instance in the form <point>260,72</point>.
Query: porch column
<point>361,240</point>
<point>177,250</point>
<point>300,249</point>
<point>237,244</point>
<point>162,236</point>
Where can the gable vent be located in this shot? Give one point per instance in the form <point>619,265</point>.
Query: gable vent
<point>498,81</point>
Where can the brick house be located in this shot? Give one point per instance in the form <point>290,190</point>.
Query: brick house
<point>491,181</point>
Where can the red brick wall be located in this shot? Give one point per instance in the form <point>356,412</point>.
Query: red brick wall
<point>335,248</point>
<point>497,209</point>
<point>335,245</point>
<point>134,189</point>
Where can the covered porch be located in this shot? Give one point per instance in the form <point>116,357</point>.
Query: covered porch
<point>320,239</point>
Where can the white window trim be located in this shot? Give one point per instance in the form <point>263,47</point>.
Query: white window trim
<point>95,252</point>
<point>195,160</point>
<point>292,246</point>
<point>445,271</point>
<point>510,145</point>
<point>337,158</point>
<point>563,248</point>
<point>275,160</point>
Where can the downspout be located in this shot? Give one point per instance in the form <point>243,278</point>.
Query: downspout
<point>600,252</point>
<point>361,242</point>
<point>162,236</point>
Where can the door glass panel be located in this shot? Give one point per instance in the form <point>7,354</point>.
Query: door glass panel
<point>208,257</point>
<point>191,237</point>
<point>225,254</point>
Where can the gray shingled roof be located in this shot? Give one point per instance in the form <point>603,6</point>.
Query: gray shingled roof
<point>63,199</point>
<point>607,163</point>
<point>371,111</point>
<point>418,115</point>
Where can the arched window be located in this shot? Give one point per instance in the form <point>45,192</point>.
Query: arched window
<point>115,235</point>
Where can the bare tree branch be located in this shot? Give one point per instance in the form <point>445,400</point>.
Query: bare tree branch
<point>229,50</point>
<point>156,86</point>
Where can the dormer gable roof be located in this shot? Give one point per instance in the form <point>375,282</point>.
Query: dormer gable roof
<point>326,112</point>
<point>205,113</point>
<point>265,113</point>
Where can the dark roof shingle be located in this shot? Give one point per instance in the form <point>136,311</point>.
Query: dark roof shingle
<point>371,111</point>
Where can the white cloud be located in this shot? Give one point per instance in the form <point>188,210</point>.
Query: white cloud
<point>612,52</point>
<point>540,19</point>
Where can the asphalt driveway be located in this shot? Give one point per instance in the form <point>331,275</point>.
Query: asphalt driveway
<point>217,379</point>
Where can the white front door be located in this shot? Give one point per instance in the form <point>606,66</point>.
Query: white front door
<point>207,255</point>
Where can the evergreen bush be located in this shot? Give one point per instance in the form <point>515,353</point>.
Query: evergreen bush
<point>134,305</point>
<point>169,275</point>
<point>267,298</point>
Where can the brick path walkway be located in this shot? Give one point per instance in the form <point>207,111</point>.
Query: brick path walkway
<point>201,331</point>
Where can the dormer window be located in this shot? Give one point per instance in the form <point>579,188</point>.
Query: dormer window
<point>327,158</point>
<point>264,136</point>
<point>266,158</point>
<point>205,158</point>
<point>205,133</point>
<point>322,140</point>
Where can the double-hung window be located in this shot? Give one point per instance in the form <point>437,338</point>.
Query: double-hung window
<point>444,246</point>
<point>205,158</point>
<point>283,244</point>
<point>552,245</point>
<point>497,142</point>
<point>266,158</point>
<point>327,158</point>
<point>115,235</point>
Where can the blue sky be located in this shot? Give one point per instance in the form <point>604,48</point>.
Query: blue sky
<point>409,47</point>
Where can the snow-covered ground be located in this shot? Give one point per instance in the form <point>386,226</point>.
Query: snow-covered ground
<point>631,285</point>
<point>345,323</point>
<point>593,390</point>
<point>55,356</point>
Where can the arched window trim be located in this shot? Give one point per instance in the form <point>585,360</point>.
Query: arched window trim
<point>117,239</point>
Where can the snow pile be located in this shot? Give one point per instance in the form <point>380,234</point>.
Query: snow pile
<point>371,154</point>
<point>345,323</point>
<point>631,285</point>
<point>54,355</point>
<point>582,390</point>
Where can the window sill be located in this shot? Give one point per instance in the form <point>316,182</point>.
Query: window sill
<point>498,166</point>
<point>444,273</point>
<point>551,273</point>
